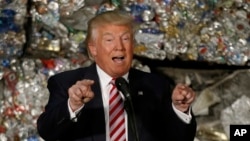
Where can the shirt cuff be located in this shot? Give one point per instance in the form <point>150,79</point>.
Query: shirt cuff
<point>186,117</point>
<point>73,114</point>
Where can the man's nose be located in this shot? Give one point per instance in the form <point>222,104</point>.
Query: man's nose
<point>119,45</point>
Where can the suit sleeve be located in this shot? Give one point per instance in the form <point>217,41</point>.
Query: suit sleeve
<point>55,121</point>
<point>176,128</point>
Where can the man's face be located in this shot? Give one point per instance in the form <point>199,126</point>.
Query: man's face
<point>112,49</point>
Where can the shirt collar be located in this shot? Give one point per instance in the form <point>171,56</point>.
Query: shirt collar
<point>105,78</point>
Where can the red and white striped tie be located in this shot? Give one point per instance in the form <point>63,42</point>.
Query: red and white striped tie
<point>116,115</point>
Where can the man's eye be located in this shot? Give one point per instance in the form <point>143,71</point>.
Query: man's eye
<point>126,38</point>
<point>109,40</point>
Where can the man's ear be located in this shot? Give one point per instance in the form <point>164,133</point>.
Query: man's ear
<point>92,48</point>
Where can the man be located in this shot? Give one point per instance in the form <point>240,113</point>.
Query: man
<point>78,106</point>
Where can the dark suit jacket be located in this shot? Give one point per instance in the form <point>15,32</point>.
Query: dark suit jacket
<point>151,98</point>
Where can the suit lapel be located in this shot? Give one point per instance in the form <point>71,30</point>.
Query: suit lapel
<point>96,104</point>
<point>134,80</point>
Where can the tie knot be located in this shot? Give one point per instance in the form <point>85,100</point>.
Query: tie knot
<point>113,81</point>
